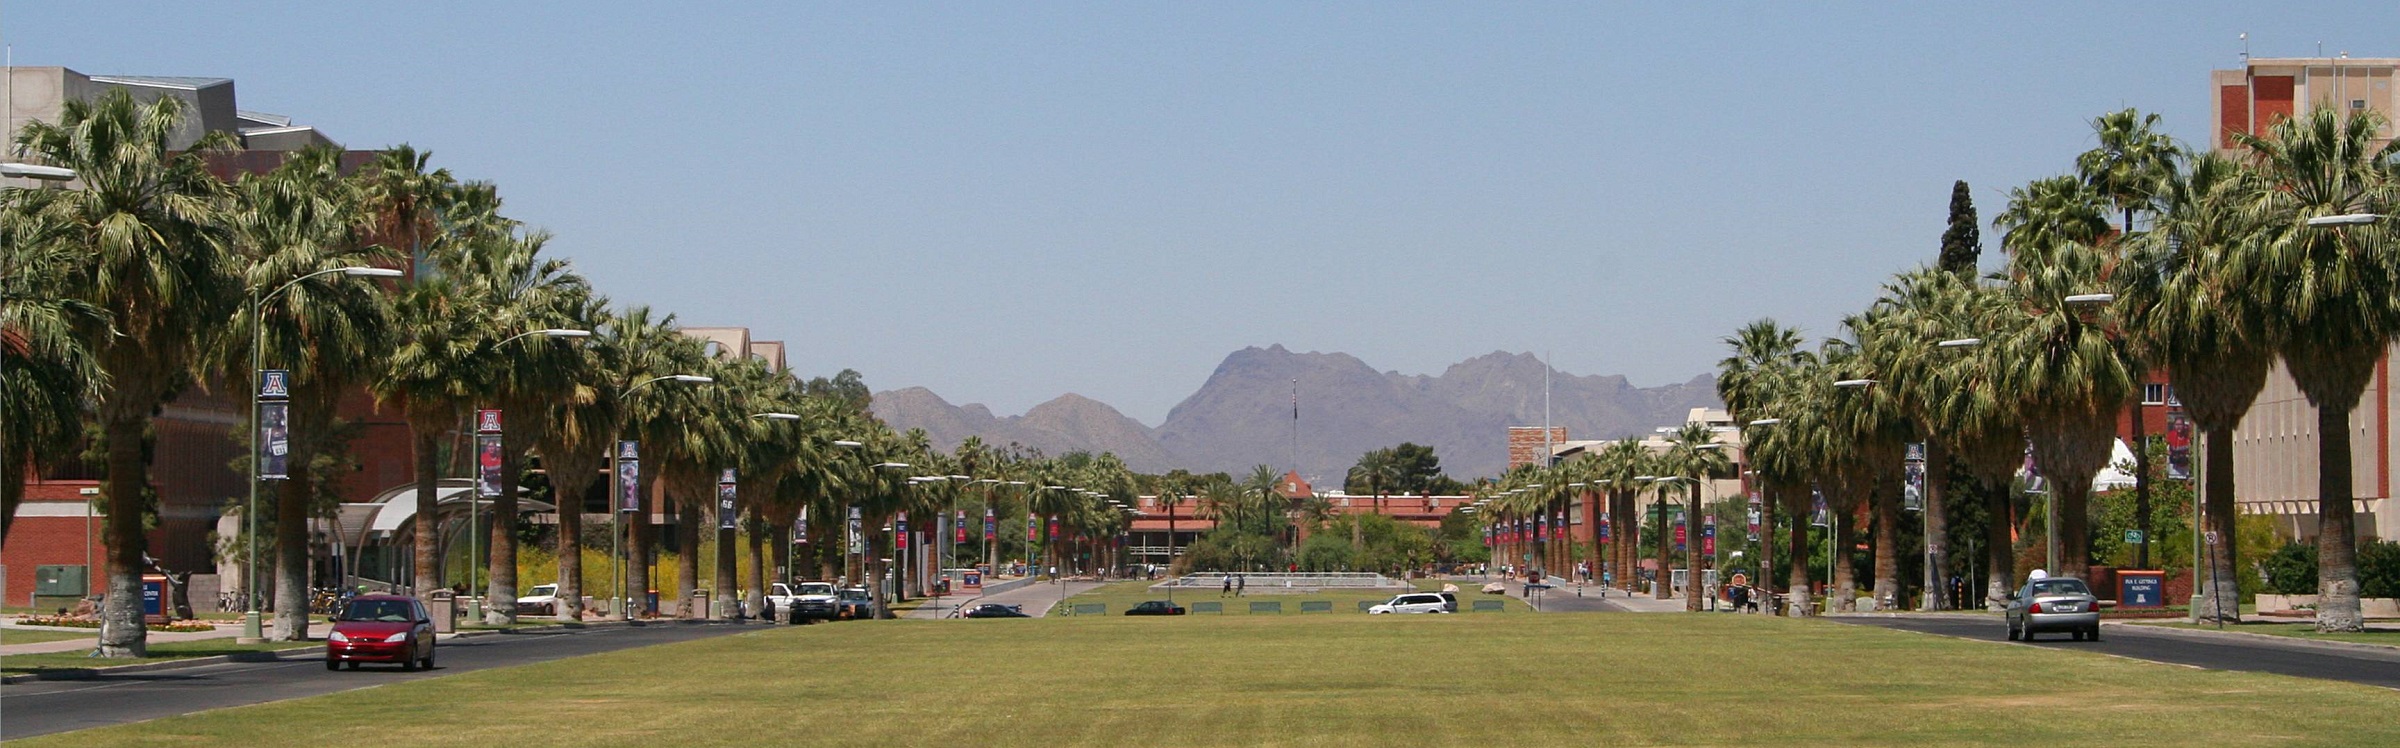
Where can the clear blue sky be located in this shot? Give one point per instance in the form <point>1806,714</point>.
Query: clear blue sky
<point>1009,203</point>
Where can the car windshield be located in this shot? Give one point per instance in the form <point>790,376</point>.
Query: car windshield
<point>819,588</point>
<point>544,589</point>
<point>393,611</point>
<point>2060,587</point>
<point>854,594</point>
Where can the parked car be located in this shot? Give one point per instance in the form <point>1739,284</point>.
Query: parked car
<point>853,603</point>
<point>809,601</point>
<point>995,610</point>
<point>1417,602</point>
<point>1155,608</point>
<point>381,628</point>
<point>542,600</point>
<point>2054,604</point>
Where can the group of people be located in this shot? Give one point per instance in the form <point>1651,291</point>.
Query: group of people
<point>1234,585</point>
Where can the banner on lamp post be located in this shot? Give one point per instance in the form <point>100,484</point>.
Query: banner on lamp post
<point>2179,445</point>
<point>800,527</point>
<point>991,524</point>
<point>1912,488</point>
<point>727,496</point>
<point>857,542</point>
<point>900,531</point>
<point>1758,515</point>
<point>274,439</point>
<point>1818,514</point>
<point>1607,531</point>
<point>488,453</point>
<point>1708,536</point>
<point>1680,532</point>
<point>629,476</point>
<point>960,523</point>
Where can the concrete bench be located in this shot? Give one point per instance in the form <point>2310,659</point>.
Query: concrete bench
<point>1494,606</point>
<point>1089,609</point>
<point>1211,607</point>
<point>1275,607</point>
<point>1316,606</point>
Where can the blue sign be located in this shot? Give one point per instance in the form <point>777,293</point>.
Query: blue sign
<point>154,592</point>
<point>2139,591</point>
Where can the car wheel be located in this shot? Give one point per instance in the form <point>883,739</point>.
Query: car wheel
<point>332,665</point>
<point>429,660</point>
<point>2012,632</point>
<point>350,665</point>
<point>2076,635</point>
<point>409,664</point>
<point>2093,635</point>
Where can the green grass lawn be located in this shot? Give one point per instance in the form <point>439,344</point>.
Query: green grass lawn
<point>159,652</point>
<point>1316,680</point>
<point>1123,595</point>
<point>19,636</point>
<point>2297,631</point>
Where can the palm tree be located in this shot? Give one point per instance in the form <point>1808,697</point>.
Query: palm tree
<point>1615,467</point>
<point>147,230</point>
<point>2072,375</point>
<point>2334,290</point>
<point>330,333</point>
<point>436,334</point>
<point>2190,308</point>
<point>1695,456</point>
<point>577,445</point>
<point>518,291</point>
<point>1765,354</point>
<point>2131,165</point>
<point>50,376</point>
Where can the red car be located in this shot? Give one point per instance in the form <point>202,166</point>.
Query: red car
<point>381,628</point>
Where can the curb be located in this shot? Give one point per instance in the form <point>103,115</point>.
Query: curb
<point>2294,640</point>
<point>144,667</point>
<point>301,653</point>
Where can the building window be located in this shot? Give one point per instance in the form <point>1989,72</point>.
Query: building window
<point>2159,394</point>
<point>2358,103</point>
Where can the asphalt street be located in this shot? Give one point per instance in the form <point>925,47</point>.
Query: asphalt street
<point>43,707</point>
<point>2371,666</point>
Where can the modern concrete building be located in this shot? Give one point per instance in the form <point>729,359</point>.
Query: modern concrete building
<point>2275,448</point>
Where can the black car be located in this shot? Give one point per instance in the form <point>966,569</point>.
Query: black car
<point>852,603</point>
<point>1156,608</point>
<point>995,610</point>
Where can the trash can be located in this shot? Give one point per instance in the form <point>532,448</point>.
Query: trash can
<point>443,606</point>
<point>650,604</point>
<point>697,607</point>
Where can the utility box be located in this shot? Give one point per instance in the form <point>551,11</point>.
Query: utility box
<point>2141,589</point>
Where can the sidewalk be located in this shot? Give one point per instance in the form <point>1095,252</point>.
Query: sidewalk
<point>92,638</point>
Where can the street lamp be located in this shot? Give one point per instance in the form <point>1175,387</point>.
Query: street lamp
<point>1854,383</point>
<point>251,626</point>
<point>2091,298</point>
<point>2346,219</point>
<point>1959,343</point>
<point>616,522</point>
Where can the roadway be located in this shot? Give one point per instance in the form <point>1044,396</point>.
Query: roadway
<point>2374,666</point>
<point>43,707</point>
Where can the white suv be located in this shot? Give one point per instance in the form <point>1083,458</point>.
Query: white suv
<point>1415,602</point>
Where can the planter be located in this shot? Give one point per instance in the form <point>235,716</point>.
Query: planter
<point>2267,602</point>
<point>2380,607</point>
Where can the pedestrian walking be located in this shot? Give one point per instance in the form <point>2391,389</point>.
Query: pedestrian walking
<point>1240,584</point>
<point>1228,586</point>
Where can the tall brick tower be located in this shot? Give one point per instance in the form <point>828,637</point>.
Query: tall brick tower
<point>1525,443</point>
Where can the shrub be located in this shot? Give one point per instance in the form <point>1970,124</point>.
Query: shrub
<point>2293,569</point>
<point>2379,569</point>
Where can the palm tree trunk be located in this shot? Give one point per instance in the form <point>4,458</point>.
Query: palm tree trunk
<point>121,626</point>
<point>1842,593</point>
<point>1999,542</point>
<point>639,545</point>
<point>568,494</point>
<point>1885,499</point>
<point>291,551</point>
<point>1666,547</point>
<point>723,583</point>
<point>2337,527</point>
<point>2218,506</point>
<point>1937,525</point>
<point>755,593</point>
<point>428,519</point>
<point>688,516</point>
<point>500,579</point>
<point>1695,558</point>
<point>1797,585</point>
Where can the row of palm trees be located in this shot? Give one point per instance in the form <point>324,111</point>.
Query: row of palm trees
<point>1612,481</point>
<point>154,276</point>
<point>2222,264</point>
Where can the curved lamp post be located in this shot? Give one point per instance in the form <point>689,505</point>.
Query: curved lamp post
<point>616,515</point>
<point>252,629</point>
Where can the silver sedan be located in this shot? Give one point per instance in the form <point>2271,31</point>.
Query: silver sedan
<point>2054,604</point>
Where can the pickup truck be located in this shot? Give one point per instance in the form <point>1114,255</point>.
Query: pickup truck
<point>807,601</point>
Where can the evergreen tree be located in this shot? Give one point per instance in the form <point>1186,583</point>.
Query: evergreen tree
<point>1962,242</point>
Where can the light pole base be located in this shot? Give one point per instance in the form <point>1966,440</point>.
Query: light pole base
<point>251,627</point>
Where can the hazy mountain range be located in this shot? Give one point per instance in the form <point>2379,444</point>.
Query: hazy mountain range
<point>1242,416</point>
